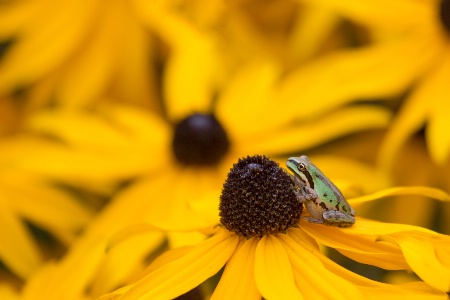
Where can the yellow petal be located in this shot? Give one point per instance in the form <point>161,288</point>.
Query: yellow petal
<point>124,261</point>
<point>335,80</point>
<point>85,169</point>
<point>38,284</point>
<point>129,231</point>
<point>145,127</point>
<point>205,208</point>
<point>238,279</point>
<point>116,294</point>
<point>417,190</point>
<point>305,43</point>
<point>416,110</point>
<point>86,77</point>
<point>17,250</point>
<point>70,277</point>
<point>59,36</point>
<point>189,72</point>
<point>185,273</point>
<point>420,253</point>
<point>359,243</point>
<point>317,131</point>
<point>375,290</point>
<point>13,16</point>
<point>102,146</point>
<point>7,292</point>
<point>307,241</point>
<point>192,68</point>
<point>135,82</point>
<point>115,128</point>
<point>248,98</point>
<point>392,15</point>
<point>167,257</point>
<point>434,91</point>
<point>44,205</point>
<point>273,270</point>
<point>369,288</point>
<point>179,239</point>
<point>312,278</point>
<point>169,209</point>
<point>77,268</point>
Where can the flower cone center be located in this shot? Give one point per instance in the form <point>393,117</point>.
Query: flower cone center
<point>258,198</point>
<point>200,140</point>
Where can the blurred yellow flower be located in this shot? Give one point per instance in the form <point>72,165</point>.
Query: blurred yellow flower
<point>196,147</point>
<point>87,51</point>
<point>421,211</point>
<point>26,197</point>
<point>407,57</point>
<point>183,159</point>
<point>268,253</point>
<point>409,50</point>
<point>149,103</point>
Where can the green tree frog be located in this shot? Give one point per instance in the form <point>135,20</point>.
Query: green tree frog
<point>323,200</point>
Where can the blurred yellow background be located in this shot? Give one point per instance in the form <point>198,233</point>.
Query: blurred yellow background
<point>117,113</point>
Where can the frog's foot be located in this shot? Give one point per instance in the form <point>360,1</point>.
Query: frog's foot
<point>338,219</point>
<point>312,220</point>
<point>305,194</point>
<point>309,191</point>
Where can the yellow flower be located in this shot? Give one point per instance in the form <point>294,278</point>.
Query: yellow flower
<point>26,196</point>
<point>409,50</point>
<point>88,50</point>
<point>172,159</point>
<point>285,30</point>
<point>8,293</point>
<point>268,252</point>
<point>427,104</point>
<point>257,110</point>
<point>198,143</point>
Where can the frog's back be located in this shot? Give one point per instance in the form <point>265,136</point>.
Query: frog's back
<point>330,196</point>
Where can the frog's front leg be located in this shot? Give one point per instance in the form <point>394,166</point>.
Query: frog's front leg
<point>305,194</point>
<point>338,218</point>
<point>309,197</point>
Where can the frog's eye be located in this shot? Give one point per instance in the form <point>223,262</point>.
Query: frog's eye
<point>301,167</point>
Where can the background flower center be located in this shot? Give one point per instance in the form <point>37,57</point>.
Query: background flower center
<point>444,13</point>
<point>200,140</point>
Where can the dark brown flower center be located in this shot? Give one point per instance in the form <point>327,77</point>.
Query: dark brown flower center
<point>4,46</point>
<point>200,140</point>
<point>258,198</point>
<point>444,14</point>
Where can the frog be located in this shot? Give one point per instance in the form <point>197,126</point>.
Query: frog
<point>322,199</point>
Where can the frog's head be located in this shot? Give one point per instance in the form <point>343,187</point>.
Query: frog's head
<point>300,166</point>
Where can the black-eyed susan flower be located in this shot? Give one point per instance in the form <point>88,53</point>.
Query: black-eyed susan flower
<point>182,155</point>
<point>427,104</point>
<point>183,158</point>
<point>200,136</point>
<point>285,30</point>
<point>407,56</point>
<point>408,51</point>
<point>268,253</point>
<point>90,50</point>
